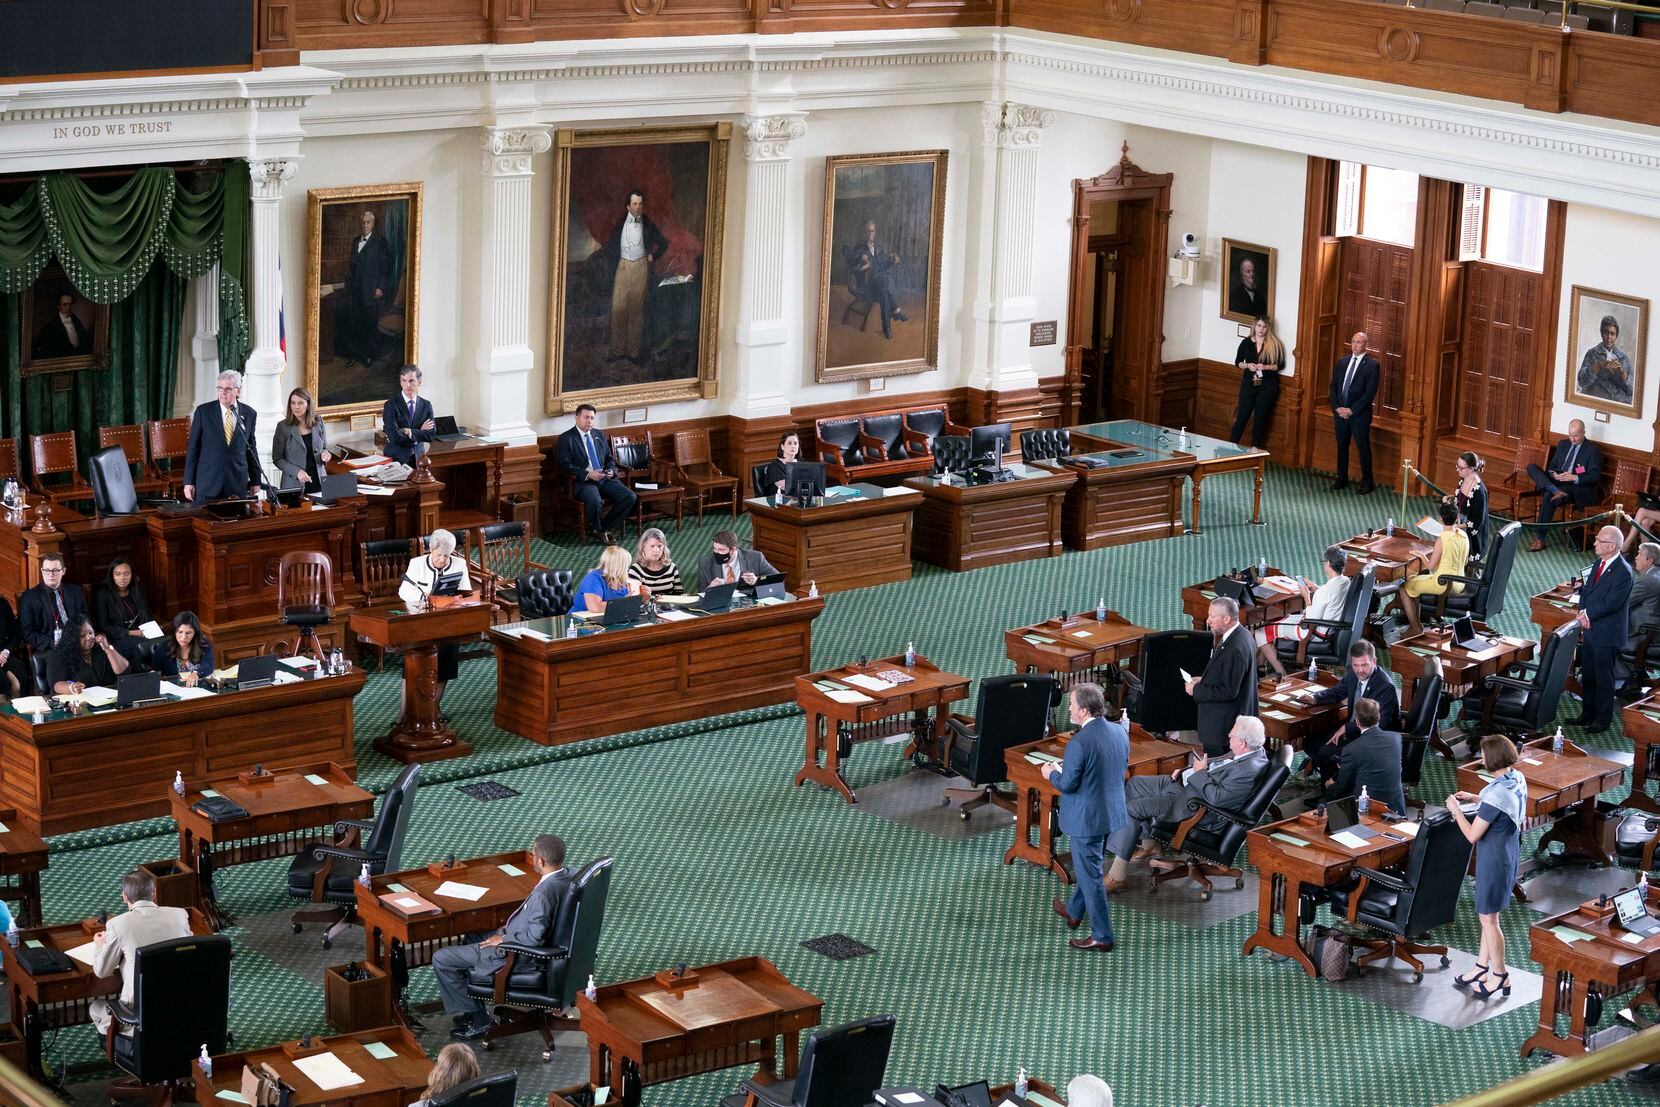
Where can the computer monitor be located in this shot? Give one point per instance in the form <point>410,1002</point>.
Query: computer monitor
<point>804,478</point>
<point>993,438</point>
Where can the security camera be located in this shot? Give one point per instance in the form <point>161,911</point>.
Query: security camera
<point>1190,248</point>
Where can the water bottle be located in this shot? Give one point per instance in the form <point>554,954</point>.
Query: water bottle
<point>1021,1085</point>
<point>1642,892</point>
<point>1389,528</point>
<point>11,934</point>
<point>178,783</point>
<point>910,654</point>
<point>1262,567</point>
<point>1556,741</point>
<point>205,1063</point>
<point>1364,803</point>
<point>1101,610</point>
<point>363,877</point>
<point>1313,673</point>
<point>590,991</point>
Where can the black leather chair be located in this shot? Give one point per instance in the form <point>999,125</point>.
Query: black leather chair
<point>1330,646</point>
<point>922,427</point>
<point>951,453</point>
<point>536,987</point>
<point>496,1090</point>
<point>840,1067</point>
<point>111,476</point>
<point>327,872</point>
<point>1408,905</point>
<point>1210,845</point>
<point>37,669</point>
<point>1483,596</point>
<point>1635,840</point>
<point>181,1002</point>
<point>886,434</point>
<point>758,480</point>
<point>838,442</point>
<point>545,594</point>
<point>1419,722</point>
<point>1164,704</point>
<point>1045,444</point>
<point>1519,705</point>
<point>1010,711</point>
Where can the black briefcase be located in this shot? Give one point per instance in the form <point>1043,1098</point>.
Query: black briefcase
<point>218,809</point>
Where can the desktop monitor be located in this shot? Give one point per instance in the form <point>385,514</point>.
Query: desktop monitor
<point>804,479</point>
<point>994,438</point>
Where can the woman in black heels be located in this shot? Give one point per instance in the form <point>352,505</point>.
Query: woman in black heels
<point>1498,834</point>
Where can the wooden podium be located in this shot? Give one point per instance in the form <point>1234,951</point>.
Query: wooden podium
<point>420,733</point>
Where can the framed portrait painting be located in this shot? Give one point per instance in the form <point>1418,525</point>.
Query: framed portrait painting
<point>1607,337</point>
<point>362,293</point>
<point>634,281</point>
<point>1248,281</point>
<point>61,330</point>
<point>879,278</point>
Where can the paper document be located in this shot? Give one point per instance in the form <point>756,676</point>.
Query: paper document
<point>1287,839</point>
<point>602,1095</point>
<point>225,674</point>
<point>511,870</point>
<point>1632,937</point>
<point>469,892</point>
<point>1570,935</point>
<point>1040,1099</point>
<point>28,705</point>
<point>1429,528</point>
<point>675,616</point>
<point>230,1096</point>
<point>1281,716</point>
<point>408,903</point>
<point>847,695</point>
<point>4,829</point>
<point>908,1097</point>
<point>1352,841</point>
<point>93,696</point>
<point>151,629</point>
<point>1081,633</point>
<point>83,953</point>
<point>1279,580</point>
<point>396,887</point>
<point>301,663</point>
<point>1186,676</point>
<point>869,682</point>
<point>900,491</point>
<point>327,1071</point>
<point>1409,829</point>
<point>313,778</point>
<point>770,601</point>
<point>1531,761</point>
<point>278,677</point>
<point>183,692</point>
<point>209,793</point>
<point>647,486</point>
<point>365,462</point>
<point>375,490</point>
<point>380,1051</point>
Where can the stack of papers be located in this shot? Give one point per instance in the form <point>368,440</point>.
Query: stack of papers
<point>847,695</point>
<point>365,462</point>
<point>380,1051</point>
<point>672,616</point>
<point>83,953</point>
<point>455,890</point>
<point>174,689</point>
<point>94,696</point>
<point>327,1071</point>
<point>28,705</point>
<point>313,778</point>
<point>151,629</point>
<point>869,682</point>
<point>1346,839</point>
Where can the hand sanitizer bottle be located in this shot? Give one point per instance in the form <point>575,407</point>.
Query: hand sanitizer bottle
<point>1262,566</point>
<point>178,782</point>
<point>570,627</point>
<point>205,1063</point>
<point>363,877</point>
<point>1101,610</point>
<point>1389,528</point>
<point>1642,887</point>
<point>590,991</point>
<point>11,934</point>
<point>1364,803</point>
<point>1556,741</point>
<point>1313,672</point>
<point>1021,1085</point>
<point>812,590</point>
<point>910,654</point>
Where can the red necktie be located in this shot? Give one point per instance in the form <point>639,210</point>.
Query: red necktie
<point>1597,572</point>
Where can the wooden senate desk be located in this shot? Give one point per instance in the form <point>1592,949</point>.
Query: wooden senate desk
<point>732,1013</point>
<point>1461,669</point>
<point>23,857</point>
<point>1288,719</point>
<point>1075,650</point>
<point>967,525</point>
<point>468,471</point>
<point>420,733</point>
<point>288,809</point>
<point>1036,812</point>
<point>1641,723</point>
<point>1554,607</point>
<point>1392,558</point>
<point>73,772</point>
<point>857,537</point>
<point>1580,950</point>
<point>1205,456</point>
<point>53,1001</point>
<point>550,687</point>
<point>1283,601</point>
<point>842,711</point>
<point>1297,851</point>
<point>388,1081</point>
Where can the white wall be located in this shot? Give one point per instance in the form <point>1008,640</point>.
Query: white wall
<point>1256,196</point>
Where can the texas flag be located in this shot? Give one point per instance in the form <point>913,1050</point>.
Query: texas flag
<point>282,330</point>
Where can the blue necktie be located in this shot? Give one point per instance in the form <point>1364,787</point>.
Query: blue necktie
<point>412,415</point>
<point>593,451</point>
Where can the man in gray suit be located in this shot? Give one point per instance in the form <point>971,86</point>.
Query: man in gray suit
<point>1228,688</point>
<point>1371,761</point>
<point>1644,618</point>
<point>727,562</point>
<point>529,926</point>
<point>1091,783</point>
<point>117,945</point>
<point>1224,782</point>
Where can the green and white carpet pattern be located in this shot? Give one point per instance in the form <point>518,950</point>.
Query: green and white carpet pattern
<point>718,856</point>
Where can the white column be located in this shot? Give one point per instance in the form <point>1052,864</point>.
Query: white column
<point>1003,304</point>
<point>262,375</point>
<point>204,343</point>
<point>770,228</point>
<point>500,406</point>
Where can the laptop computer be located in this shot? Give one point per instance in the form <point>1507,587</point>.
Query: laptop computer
<point>256,672</point>
<point>335,486</point>
<point>1258,589</point>
<point>966,1095</point>
<point>1341,816</point>
<point>131,688</point>
<point>288,492</point>
<point>1464,634</point>
<point>445,430</point>
<point>770,588</point>
<point>623,611</point>
<point>1634,914</point>
<point>1236,590</point>
<point>717,598</point>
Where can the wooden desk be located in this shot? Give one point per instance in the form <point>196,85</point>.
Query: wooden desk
<point>23,856</point>
<point>1392,558</point>
<point>391,1082</point>
<point>733,1015</point>
<point>554,691</point>
<point>1461,669</point>
<point>56,1000</point>
<point>1288,719</point>
<point>1123,501</point>
<point>968,526</point>
<point>420,733</point>
<point>1000,1092</point>
<point>1314,859</point>
<point>1552,608</point>
<point>917,708</point>
<point>470,471</point>
<point>1036,806</point>
<point>838,544</point>
<point>1641,723</point>
<point>1603,960</point>
<point>1196,599</point>
<point>1074,653</point>
<point>1561,789</point>
<point>75,772</point>
<point>1207,456</point>
<point>287,810</point>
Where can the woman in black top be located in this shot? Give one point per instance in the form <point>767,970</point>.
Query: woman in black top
<point>14,659</point>
<point>1260,358</point>
<point>120,606</point>
<point>789,452</point>
<point>1471,498</point>
<point>84,658</point>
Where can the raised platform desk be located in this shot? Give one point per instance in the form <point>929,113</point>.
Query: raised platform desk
<point>857,538</point>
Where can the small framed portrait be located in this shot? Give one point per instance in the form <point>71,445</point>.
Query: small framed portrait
<point>362,293</point>
<point>1247,281</point>
<point>1607,334</point>
<point>879,276</point>
<point>60,329</point>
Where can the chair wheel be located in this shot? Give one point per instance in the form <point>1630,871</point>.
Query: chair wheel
<point>1360,970</point>
<point>965,815</point>
<point>328,943</point>
<point>1238,883</point>
<point>1204,896</point>
<point>1153,888</point>
<point>945,801</point>
<point>487,1045</point>
<point>298,928</point>
<point>1445,961</point>
<point>1417,978</point>
<point>547,1055</point>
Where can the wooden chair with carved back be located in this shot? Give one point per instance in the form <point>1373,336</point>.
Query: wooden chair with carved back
<point>1630,479</point>
<point>1515,497</point>
<point>305,597</point>
<point>53,455</point>
<point>695,470</point>
<point>130,437</point>
<point>167,440</point>
<point>381,568</point>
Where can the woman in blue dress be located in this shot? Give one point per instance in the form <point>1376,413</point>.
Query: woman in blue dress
<point>605,582</point>
<point>1497,833</point>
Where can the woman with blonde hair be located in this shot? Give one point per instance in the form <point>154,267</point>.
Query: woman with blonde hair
<point>456,1064</point>
<point>1260,358</point>
<point>653,569</point>
<point>606,581</point>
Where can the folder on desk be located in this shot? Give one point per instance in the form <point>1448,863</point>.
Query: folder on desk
<point>408,904</point>
<point>847,695</point>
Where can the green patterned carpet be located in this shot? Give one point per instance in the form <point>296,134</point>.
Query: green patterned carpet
<point>718,856</point>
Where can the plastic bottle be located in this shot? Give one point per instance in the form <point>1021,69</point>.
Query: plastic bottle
<point>205,1063</point>
<point>1101,610</point>
<point>178,782</point>
<point>11,934</point>
<point>812,590</point>
<point>1642,888</point>
<point>570,627</point>
<point>910,654</point>
<point>1313,672</point>
<point>363,877</point>
<point>1556,741</point>
<point>1389,528</point>
<point>1364,803</point>
<point>590,991</point>
<point>1262,566</point>
<point>1021,1085</point>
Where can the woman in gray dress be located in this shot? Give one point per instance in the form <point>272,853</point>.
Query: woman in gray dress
<point>300,446</point>
<point>1497,831</point>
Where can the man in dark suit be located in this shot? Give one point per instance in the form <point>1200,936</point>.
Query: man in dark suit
<point>630,252</point>
<point>728,562</point>
<point>1354,385</point>
<point>1246,295</point>
<point>529,926</point>
<point>64,335</point>
<point>407,418</point>
<point>871,268</point>
<point>1571,475</point>
<point>367,294</point>
<point>1363,680</point>
<point>221,460</point>
<point>1643,619</point>
<point>1091,783</point>
<point>1604,610</point>
<point>1228,687</point>
<point>45,611</point>
<point>1371,761</point>
<point>583,454</point>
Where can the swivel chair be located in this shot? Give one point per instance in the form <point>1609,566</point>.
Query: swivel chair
<point>1526,706</point>
<point>1045,444</point>
<point>1329,639</point>
<point>496,1090</point>
<point>305,597</point>
<point>544,594</point>
<point>1011,711</point>
<point>1211,837</point>
<point>181,1002</point>
<point>1483,596</point>
<point>839,1067</point>
<point>316,876</point>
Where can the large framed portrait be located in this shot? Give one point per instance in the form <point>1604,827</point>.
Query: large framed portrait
<point>59,329</point>
<point>362,293</point>
<point>1607,335</point>
<point>879,278</point>
<point>634,283</point>
<point>1248,276</point>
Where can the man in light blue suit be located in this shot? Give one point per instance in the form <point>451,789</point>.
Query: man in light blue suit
<point>1091,784</point>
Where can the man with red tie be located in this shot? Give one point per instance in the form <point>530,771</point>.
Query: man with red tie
<point>1604,604</point>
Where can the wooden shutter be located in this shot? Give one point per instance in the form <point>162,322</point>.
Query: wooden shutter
<point>1470,217</point>
<point>1350,177</point>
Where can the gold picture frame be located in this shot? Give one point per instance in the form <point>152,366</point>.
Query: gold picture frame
<point>1607,383</point>
<point>648,333</point>
<point>47,346</point>
<point>901,198</point>
<point>369,338</point>
<point>1243,301</point>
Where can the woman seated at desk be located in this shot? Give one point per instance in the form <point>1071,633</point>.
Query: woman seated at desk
<point>14,659</point>
<point>187,655</point>
<point>438,573</point>
<point>652,568</point>
<point>789,452</point>
<point>120,607</point>
<point>83,659</point>
<point>1324,603</point>
<point>607,581</point>
<point>1451,552</point>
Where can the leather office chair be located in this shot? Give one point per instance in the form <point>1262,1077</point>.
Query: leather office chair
<point>951,453</point>
<point>1635,840</point>
<point>1524,706</point>
<point>327,872</point>
<point>1331,647</point>
<point>381,566</point>
<point>305,596</point>
<point>922,427</point>
<point>1011,711</point>
<point>885,434</point>
<point>1418,723</point>
<point>167,440</point>
<point>1408,905</point>
<point>839,1066</point>
<point>1210,850</point>
<point>839,446</point>
<point>758,480</point>
<point>1483,596</point>
<point>130,438</point>
<point>54,455</point>
<point>181,1002</point>
<point>112,483</point>
<point>695,470</point>
<point>538,985</point>
<point>1045,444</point>
<point>1164,704</point>
<point>496,1090</point>
<point>37,669</point>
<point>545,594</point>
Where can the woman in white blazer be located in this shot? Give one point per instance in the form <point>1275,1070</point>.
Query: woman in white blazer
<point>437,571</point>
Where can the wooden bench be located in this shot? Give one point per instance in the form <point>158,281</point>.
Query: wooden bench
<point>893,443</point>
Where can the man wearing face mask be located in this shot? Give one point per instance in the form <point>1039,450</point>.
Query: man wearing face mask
<point>729,563</point>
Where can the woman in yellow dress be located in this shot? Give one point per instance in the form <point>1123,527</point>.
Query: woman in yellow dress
<point>1452,550</point>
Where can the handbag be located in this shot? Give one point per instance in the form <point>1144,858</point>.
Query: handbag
<point>1332,952</point>
<point>261,1087</point>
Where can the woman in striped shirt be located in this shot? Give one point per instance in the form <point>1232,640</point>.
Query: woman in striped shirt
<point>652,567</point>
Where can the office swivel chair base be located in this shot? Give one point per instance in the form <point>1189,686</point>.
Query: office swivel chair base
<point>1397,949</point>
<point>158,1095</point>
<point>308,644</point>
<point>339,919</point>
<point>983,796</point>
<point>517,1020</point>
<point>1200,872</point>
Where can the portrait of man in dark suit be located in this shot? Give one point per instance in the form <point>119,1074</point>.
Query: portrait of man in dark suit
<point>369,272</point>
<point>59,327</point>
<point>64,335</point>
<point>1250,281</point>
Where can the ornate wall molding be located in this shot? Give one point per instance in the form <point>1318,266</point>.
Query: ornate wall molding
<point>268,174</point>
<point>508,150</point>
<point>768,137</point>
<point>1012,126</point>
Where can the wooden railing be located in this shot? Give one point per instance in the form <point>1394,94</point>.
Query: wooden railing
<point>1545,1084</point>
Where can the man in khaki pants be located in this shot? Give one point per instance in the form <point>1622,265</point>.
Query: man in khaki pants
<point>635,245</point>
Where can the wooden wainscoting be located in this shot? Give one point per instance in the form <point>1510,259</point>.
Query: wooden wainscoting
<point>1216,394</point>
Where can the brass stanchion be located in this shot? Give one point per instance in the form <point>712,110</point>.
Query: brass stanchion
<point>1406,474</point>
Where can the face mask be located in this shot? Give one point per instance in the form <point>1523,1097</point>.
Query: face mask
<point>724,557</point>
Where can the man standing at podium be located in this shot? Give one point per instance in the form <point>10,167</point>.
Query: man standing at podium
<point>221,461</point>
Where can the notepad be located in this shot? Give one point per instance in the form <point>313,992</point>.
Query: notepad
<point>869,682</point>
<point>1409,829</point>
<point>313,778</point>
<point>1632,937</point>
<point>396,887</point>
<point>375,490</point>
<point>1279,715</point>
<point>184,693</point>
<point>327,1071</point>
<point>454,890</point>
<point>1287,839</point>
<point>847,695</point>
<point>1038,757</point>
<point>1531,761</point>
<point>1040,1099</point>
<point>1081,634</point>
<point>28,705</point>
<point>151,629</point>
<point>1570,935</point>
<point>234,1097</point>
<point>301,663</point>
<point>511,870</point>
<point>1038,640</point>
<point>1350,841</point>
<point>672,616</point>
<point>380,1051</point>
<point>83,953</point>
<point>208,793</point>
